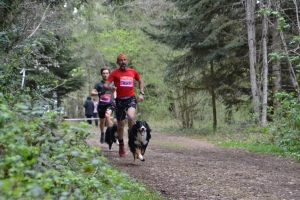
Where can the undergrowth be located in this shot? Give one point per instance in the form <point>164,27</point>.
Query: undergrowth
<point>42,158</point>
<point>279,137</point>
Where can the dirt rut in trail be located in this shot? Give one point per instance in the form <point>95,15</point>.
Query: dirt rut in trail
<point>183,168</point>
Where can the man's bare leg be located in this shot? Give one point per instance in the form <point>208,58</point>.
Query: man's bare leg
<point>130,117</point>
<point>107,118</point>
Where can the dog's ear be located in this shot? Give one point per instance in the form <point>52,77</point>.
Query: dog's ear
<point>137,122</point>
<point>133,128</point>
<point>148,134</point>
<point>148,127</point>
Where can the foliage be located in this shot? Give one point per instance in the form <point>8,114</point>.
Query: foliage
<point>144,58</point>
<point>113,29</point>
<point>286,127</point>
<point>40,50</point>
<point>42,158</point>
<point>205,33</point>
<point>281,136</point>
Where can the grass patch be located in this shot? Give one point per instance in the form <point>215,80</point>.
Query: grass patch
<point>245,136</point>
<point>252,147</point>
<point>173,144</point>
<point>250,138</point>
<point>147,194</point>
<point>143,196</point>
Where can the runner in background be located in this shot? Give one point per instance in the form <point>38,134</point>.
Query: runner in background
<point>106,102</point>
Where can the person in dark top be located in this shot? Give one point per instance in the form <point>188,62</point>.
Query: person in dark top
<point>89,109</point>
<point>106,102</point>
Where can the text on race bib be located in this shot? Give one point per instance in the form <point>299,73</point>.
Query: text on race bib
<point>104,98</point>
<point>126,81</point>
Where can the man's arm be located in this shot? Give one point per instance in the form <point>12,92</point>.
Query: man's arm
<point>141,86</point>
<point>107,86</point>
<point>94,92</point>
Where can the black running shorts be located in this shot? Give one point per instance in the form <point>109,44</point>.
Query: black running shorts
<point>122,105</point>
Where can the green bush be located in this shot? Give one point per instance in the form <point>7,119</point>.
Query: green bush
<point>286,127</point>
<point>43,158</point>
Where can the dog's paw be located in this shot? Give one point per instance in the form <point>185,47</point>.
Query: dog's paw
<point>141,158</point>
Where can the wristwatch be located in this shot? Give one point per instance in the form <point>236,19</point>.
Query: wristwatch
<point>142,93</point>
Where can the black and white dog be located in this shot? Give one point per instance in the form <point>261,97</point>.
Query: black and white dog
<point>111,135</point>
<point>138,139</point>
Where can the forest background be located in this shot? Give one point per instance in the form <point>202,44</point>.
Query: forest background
<point>210,68</point>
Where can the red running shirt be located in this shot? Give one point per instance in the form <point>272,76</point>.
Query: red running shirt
<point>124,81</point>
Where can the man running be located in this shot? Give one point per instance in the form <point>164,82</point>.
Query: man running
<point>123,79</point>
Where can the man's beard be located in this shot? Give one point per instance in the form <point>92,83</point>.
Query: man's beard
<point>123,66</point>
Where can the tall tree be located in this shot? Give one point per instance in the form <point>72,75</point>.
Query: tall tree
<point>265,63</point>
<point>206,33</point>
<point>250,12</point>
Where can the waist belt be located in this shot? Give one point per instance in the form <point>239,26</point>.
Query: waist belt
<point>126,97</point>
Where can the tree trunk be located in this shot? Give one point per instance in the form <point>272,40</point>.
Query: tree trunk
<point>229,115</point>
<point>250,8</point>
<point>213,96</point>
<point>190,110</point>
<point>297,15</point>
<point>79,107</point>
<point>89,77</point>
<point>265,68</point>
<point>276,68</point>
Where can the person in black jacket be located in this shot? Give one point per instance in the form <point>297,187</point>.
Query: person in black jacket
<point>89,109</point>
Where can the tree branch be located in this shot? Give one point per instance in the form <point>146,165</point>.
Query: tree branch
<point>38,26</point>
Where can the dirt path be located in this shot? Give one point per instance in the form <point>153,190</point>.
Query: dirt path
<point>183,168</point>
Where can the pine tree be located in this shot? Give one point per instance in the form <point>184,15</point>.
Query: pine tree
<point>209,33</point>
